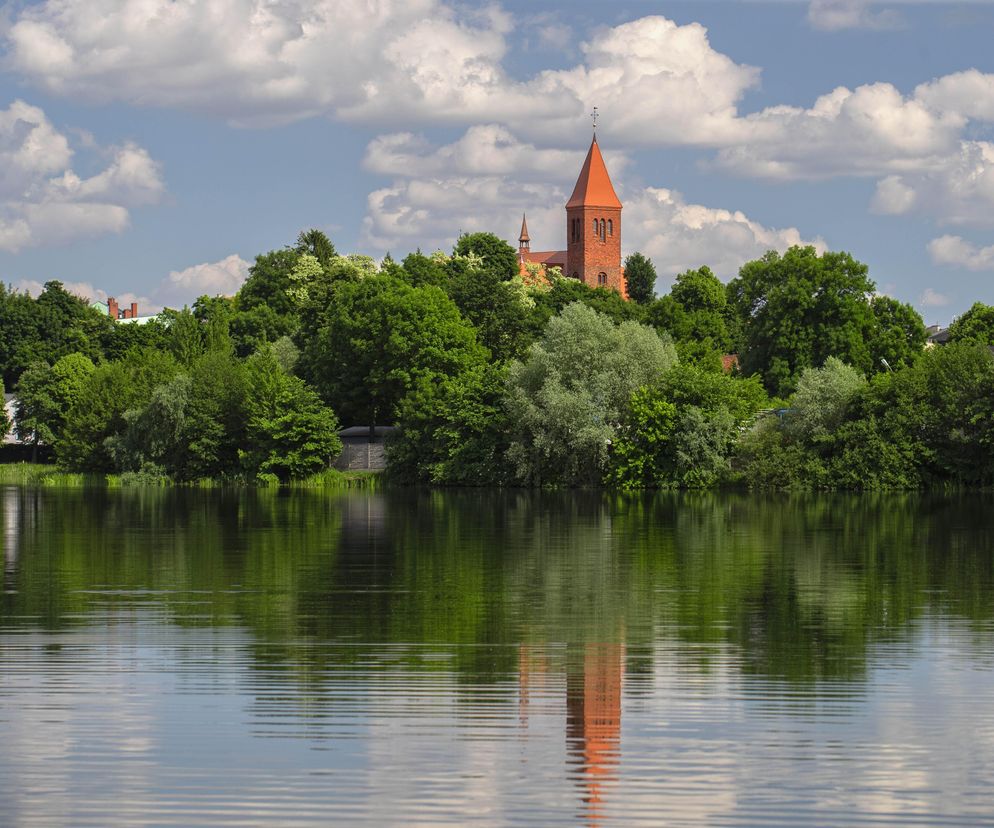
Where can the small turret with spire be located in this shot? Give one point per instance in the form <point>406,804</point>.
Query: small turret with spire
<point>524,241</point>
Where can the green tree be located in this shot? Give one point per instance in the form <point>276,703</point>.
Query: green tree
<point>286,353</point>
<point>454,431</point>
<point>898,336</point>
<point>186,337</point>
<point>290,433</point>
<point>123,337</point>
<point>497,254</point>
<point>567,399</point>
<point>269,284</point>
<point>798,309</point>
<point>932,423</point>
<point>18,333</point>
<point>822,399</point>
<point>691,385</point>
<point>681,431</point>
<point>46,393</point>
<point>566,291</point>
<point>420,270</point>
<point>67,324</point>
<point>190,426</point>
<point>695,314</point>
<point>112,389</point>
<point>152,438</point>
<point>213,426</point>
<point>302,276</point>
<point>975,327</point>
<point>377,339</point>
<point>5,423</point>
<point>703,443</point>
<point>928,424</point>
<point>252,329</point>
<point>642,456</point>
<point>36,406</point>
<point>55,324</point>
<point>640,278</point>
<point>500,314</point>
<point>316,244</point>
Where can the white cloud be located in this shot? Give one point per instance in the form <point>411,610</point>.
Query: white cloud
<point>893,196</point>
<point>132,178</point>
<point>221,278</point>
<point>260,63</point>
<point>415,62</point>
<point>868,131</point>
<point>382,61</point>
<point>969,94</point>
<point>657,83</point>
<point>482,150</point>
<point>44,201</point>
<point>958,191</point>
<point>957,252</point>
<point>933,299</point>
<point>431,212</point>
<point>678,236</point>
<point>835,15</point>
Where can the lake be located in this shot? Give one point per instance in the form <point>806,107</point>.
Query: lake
<point>296,658</point>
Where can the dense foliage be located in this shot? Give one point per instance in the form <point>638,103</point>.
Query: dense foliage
<point>567,399</point>
<point>799,308</point>
<point>640,279</point>
<point>495,377</point>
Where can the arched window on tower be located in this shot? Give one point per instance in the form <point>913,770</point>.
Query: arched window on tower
<point>601,279</point>
<point>595,227</point>
<point>603,230</point>
<point>610,227</point>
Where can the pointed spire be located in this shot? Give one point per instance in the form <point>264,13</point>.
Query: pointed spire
<point>524,230</point>
<point>593,187</point>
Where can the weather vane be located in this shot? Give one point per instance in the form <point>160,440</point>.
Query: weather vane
<point>594,115</point>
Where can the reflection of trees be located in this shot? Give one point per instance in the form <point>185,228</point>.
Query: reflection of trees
<point>800,587</point>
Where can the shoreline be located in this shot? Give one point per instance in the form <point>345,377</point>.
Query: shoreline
<point>44,475</point>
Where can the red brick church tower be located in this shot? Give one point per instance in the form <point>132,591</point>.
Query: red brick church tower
<point>593,226</point>
<point>593,231</point>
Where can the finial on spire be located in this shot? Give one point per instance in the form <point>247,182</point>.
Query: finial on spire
<point>594,116</point>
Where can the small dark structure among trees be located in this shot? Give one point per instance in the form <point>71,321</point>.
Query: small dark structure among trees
<point>363,448</point>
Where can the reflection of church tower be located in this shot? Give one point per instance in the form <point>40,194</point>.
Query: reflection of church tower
<point>594,674</point>
<point>593,718</point>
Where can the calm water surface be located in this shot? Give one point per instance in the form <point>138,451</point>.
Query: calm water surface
<point>173,658</point>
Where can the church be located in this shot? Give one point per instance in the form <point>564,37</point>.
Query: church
<point>593,231</point>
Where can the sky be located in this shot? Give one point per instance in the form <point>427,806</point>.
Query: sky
<point>149,149</point>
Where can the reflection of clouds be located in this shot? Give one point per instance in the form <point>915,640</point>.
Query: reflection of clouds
<point>80,731</point>
<point>152,723</point>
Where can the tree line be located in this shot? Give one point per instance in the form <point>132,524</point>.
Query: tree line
<point>500,378</point>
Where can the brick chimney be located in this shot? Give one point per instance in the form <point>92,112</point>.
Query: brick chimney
<point>112,310</point>
<point>134,310</point>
